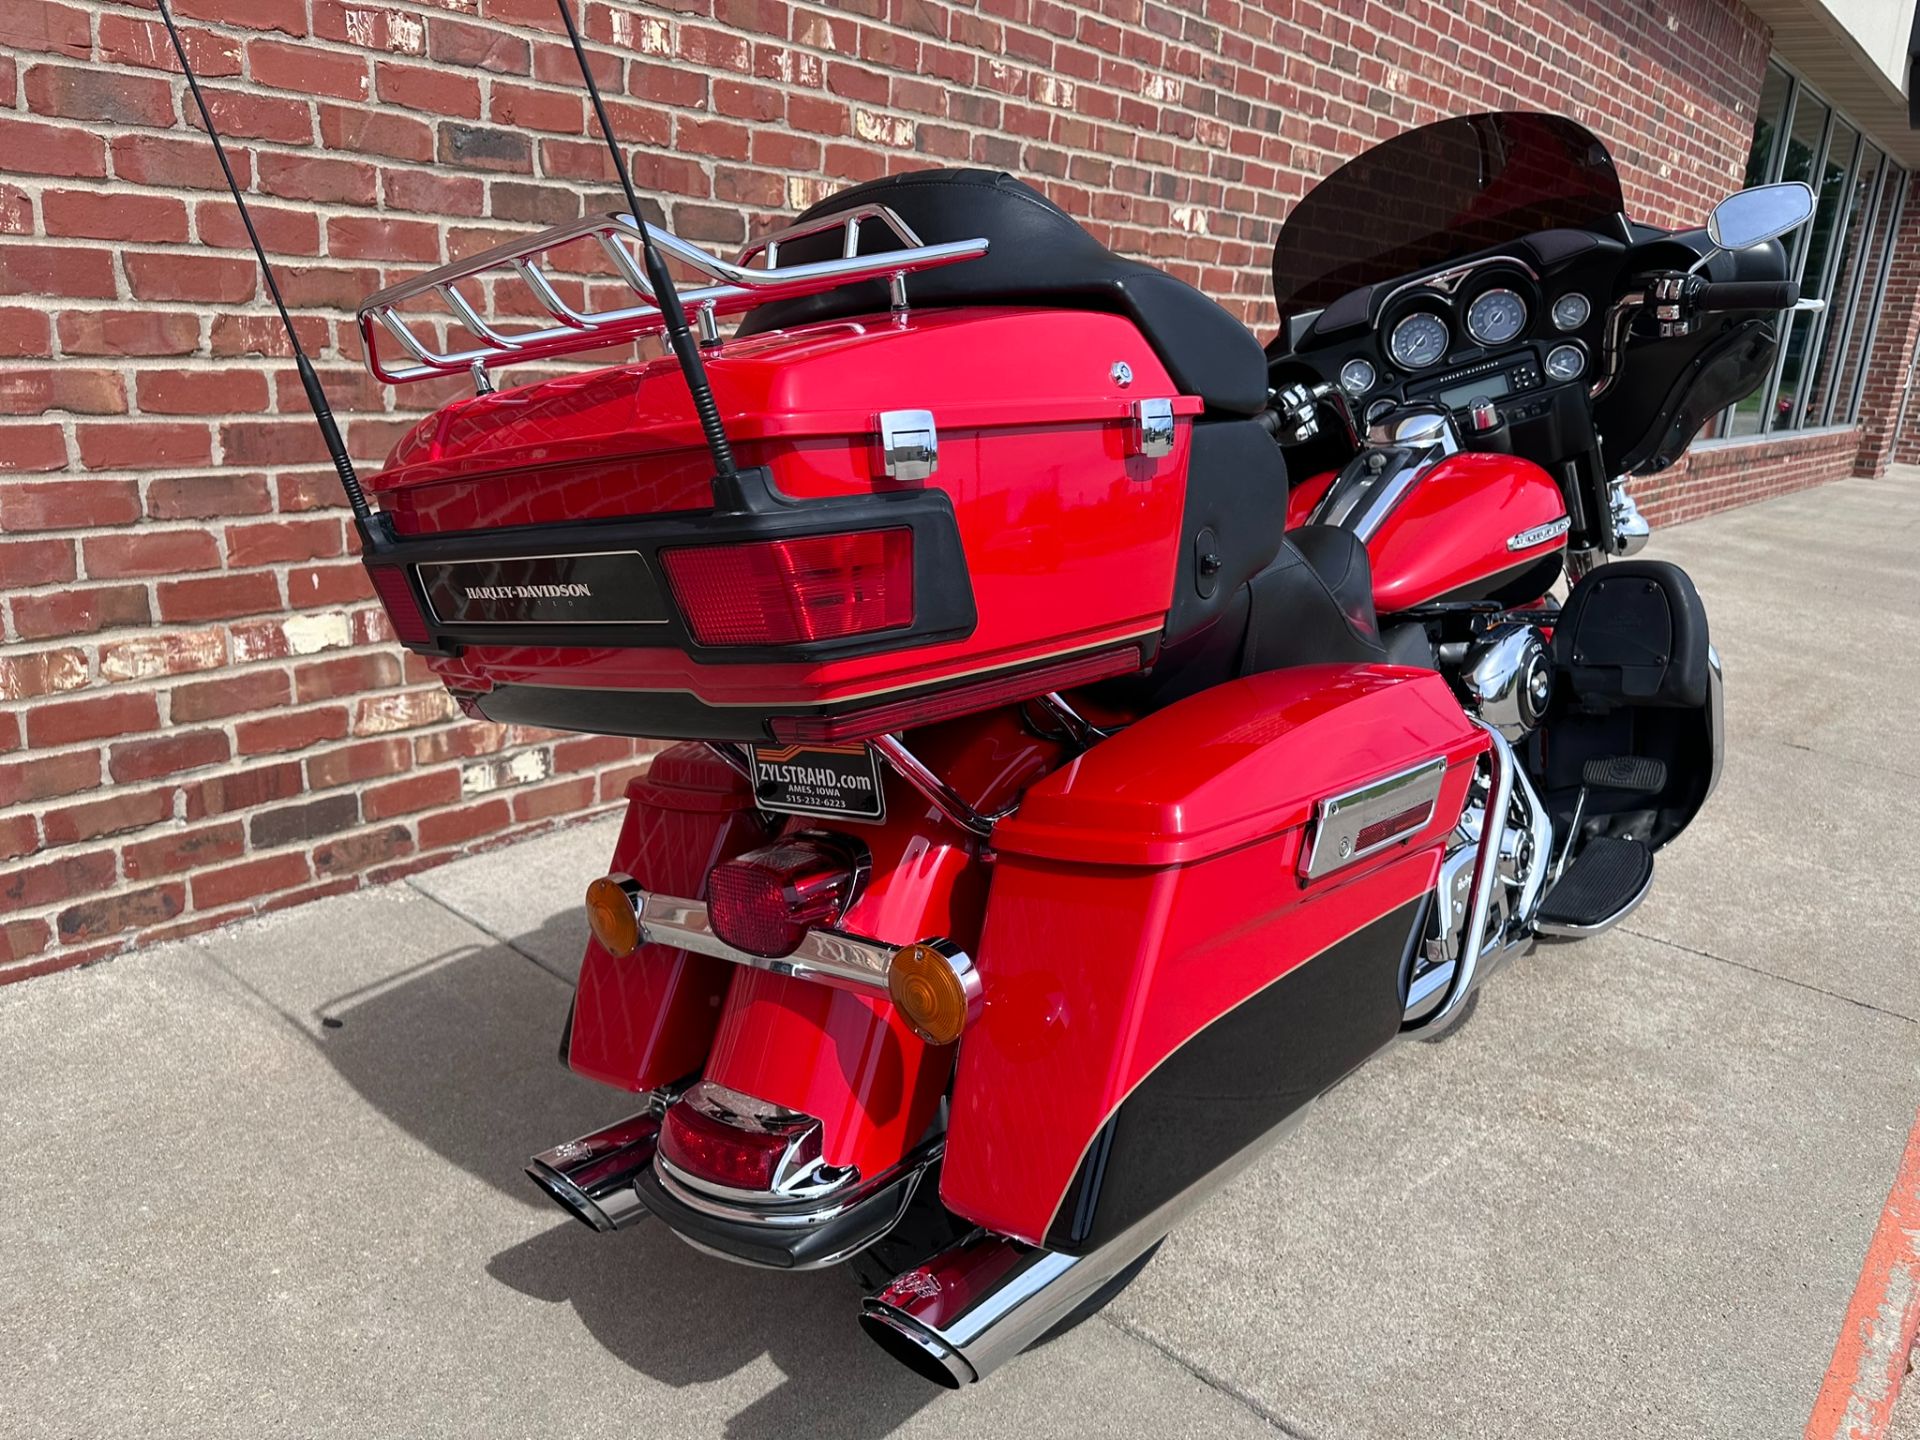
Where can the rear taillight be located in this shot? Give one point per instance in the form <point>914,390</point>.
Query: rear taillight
<point>395,590</point>
<point>697,1144</point>
<point>788,592</point>
<point>898,715</point>
<point>765,901</point>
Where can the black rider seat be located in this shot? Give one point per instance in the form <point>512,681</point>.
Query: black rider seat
<point>1038,255</point>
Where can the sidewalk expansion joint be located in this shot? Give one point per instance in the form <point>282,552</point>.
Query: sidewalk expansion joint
<point>1208,1379</point>
<point>1771,975</point>
<point>490,933</point>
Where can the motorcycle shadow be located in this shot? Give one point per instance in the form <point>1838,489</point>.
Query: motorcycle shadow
<point>683,1318</point>
<point>460,1052</point>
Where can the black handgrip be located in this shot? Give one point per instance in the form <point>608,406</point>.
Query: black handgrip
<point>1747,295</point>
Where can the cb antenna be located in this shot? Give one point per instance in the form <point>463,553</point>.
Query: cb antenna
<point>310,382</point>
<point>668,298</point>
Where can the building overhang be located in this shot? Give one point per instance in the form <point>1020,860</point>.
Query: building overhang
<point>1859,54</point>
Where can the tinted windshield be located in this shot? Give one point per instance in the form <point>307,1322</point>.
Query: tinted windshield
<point>1452,188</point>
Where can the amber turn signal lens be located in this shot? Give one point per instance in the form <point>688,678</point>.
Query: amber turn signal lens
<point>935,990</point>
<point>612,916</point>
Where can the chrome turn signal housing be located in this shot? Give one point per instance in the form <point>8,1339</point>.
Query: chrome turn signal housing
<point>936,989</point>
<point>613,913</point>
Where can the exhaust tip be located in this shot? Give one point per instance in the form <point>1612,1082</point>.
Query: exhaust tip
<point>917,1349</point>
<point>603,1214</point>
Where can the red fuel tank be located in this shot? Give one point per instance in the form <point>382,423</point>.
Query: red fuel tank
<point>1471,524</point>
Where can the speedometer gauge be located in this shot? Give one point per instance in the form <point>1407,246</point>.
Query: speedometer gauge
<point>1496,317</point>
<point>1418,341</point>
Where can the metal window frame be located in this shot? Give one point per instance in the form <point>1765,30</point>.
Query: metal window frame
<point>1879,297</point>
<point>1892,186</point>
<point>1852,314</point>
<point>1836,248</point>
<point>1797,262</point>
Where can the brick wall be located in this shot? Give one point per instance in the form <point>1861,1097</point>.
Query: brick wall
<point>200,713</point>
<point>1888,368</point>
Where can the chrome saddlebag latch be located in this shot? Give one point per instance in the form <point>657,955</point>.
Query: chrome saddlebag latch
<point>909,444</point>
<point>1152,428</point>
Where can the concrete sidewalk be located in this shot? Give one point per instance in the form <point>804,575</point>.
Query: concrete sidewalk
<point>267,1182</point>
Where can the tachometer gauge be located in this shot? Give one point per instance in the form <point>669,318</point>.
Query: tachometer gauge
<point>1418,341</point>
<point>1497,317</point>
<point>1570,312</point>
<point>1566,362</point>
<point>1357,376</point>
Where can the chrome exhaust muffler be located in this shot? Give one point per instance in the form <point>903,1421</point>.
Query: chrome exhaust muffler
<point>980,1302</point>
<point>592,1178</point>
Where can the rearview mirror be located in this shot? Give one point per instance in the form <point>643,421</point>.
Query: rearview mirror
<point>1762,213</point>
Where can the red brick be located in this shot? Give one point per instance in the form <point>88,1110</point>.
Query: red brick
<point>589,752</point>
<point>129,40</point>
<point>348,675</point>
<point>45,26</point>
<point>308,69</point>
<point>365,237</point>
<point>171,275</point>
<point>163,160</point>
<point>122,215</point>
<point>24,334</point>
<point>114,815</point>
<point>353,854</point>
<point>43,777</point>
<point>76,389</point>
<point>83,272</point>
<point>9,732</point>
<point>294,824</point>
<point>381,714</point>
<point>32,886</point>
<point>143,445</point>
<point>157,655</point>
<point>270,442</point>
<point>94,718</point>
<point>242,789</point>
<point>16,211</point>
<point>198,392</point>
<point>42,672</point>
<point>295,730</point>
<point>311,585</point>
<point>523,107</point>
<point>416,792</point>
<point>202,497</point>
<point>165,552</point>
<point>356,23</point>
<point>26,447</point>
<point>114,97</point>
<point>459,826</point>
<point>128,332</point>
<point>452,42</point>
<point>248,115</point>
<point>183,850</point>
<point>375,132</point>
<point>25,563</point>
<point>32,148</point>
<point>20,939</point>
<point>234,884</point>
<point>114,914</point>
<point>168,755</point>
<point>18,836</point>
<point>286,16</point>
<point>432,90</point>
<point>68,504</point>
<point>546,801</point>
<point>284,231</point>
<point>314,177</point>
<point>229,695</point>
<point>218,597</point>
<point>275,542</point>
<point>351,763</point>
<point>79,612</point>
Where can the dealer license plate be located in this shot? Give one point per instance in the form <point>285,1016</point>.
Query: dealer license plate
<point>834,780</point>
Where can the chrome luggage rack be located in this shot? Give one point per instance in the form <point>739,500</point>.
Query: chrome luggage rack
<point>737,287</point>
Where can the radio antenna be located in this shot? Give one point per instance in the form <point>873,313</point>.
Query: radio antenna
<point>310,382</point>
<point>664,293</point>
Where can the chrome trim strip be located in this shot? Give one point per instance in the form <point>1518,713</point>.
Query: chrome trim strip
<point>826,957</point>
<point>1447,282</point>
<point>1339,819</point>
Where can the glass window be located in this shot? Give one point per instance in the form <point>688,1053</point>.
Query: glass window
<point>1840,257</point>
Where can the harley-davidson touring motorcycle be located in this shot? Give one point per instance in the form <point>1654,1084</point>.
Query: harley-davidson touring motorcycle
<point>1096,734</point>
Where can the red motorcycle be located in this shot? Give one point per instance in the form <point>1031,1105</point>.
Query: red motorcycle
<point>1063,799</point>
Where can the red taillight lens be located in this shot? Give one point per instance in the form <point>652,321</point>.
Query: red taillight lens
<point>962,700</point>
<point>785,592</point>
<point>390,583</point>
<point>765,901</point>
<point>713,1150</point>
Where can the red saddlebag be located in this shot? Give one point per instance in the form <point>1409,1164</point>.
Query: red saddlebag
<point>1193,930</point>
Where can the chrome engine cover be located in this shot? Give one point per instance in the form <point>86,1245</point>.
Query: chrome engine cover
<point>1506,678</point>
